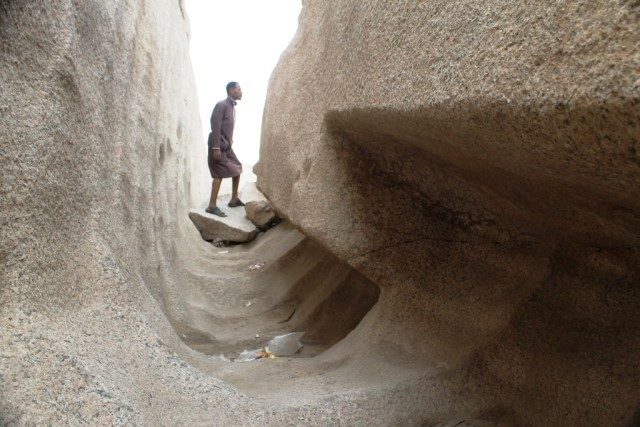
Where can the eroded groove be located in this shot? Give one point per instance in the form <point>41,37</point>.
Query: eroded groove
<point>308,287</point>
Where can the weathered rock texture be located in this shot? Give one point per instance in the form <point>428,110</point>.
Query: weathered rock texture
<point>99,134</point>
<point>481,162</point>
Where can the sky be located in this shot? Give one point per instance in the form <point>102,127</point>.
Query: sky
<point>239,40</point>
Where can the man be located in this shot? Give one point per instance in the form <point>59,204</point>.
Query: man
<point>223,162</point>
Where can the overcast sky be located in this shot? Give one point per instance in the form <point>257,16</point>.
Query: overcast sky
<point>239,40</point>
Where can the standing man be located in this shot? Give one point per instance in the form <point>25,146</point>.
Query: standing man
<point>223,162</point>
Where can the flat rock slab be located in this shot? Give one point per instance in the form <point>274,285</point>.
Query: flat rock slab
<point>233,228</point>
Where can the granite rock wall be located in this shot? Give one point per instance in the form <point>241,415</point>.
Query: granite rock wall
<point>480,162</point>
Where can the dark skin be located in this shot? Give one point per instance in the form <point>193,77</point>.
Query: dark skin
<point>236,94</point>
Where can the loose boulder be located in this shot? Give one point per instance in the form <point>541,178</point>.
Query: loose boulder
<point>261,213</point>
<point>259,210</point>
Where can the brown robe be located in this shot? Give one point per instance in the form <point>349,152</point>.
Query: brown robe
<point>221,136</point>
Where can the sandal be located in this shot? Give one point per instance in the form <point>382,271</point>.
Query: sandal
<point>215,211</point>
<point>235,204</point>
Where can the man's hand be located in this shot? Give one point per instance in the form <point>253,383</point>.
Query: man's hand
<point>216,154</point>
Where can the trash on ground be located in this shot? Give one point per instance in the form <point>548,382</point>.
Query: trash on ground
<point>282,345</point>
<point>221,357</point>
<point>257,266</point>
<point>248,304</point>
<point>249,355</point>
<point>285,345</point>
<point>223,252</point>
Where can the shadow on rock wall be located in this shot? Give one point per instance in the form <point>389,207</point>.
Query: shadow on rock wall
<point>517,229</point>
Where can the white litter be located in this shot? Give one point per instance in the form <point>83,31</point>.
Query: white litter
<point>285,345</point>
<point>257,266</point>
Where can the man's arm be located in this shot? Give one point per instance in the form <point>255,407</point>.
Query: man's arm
<point>216,124</point>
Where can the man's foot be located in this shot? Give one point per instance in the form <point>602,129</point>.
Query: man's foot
<point>234,203</point>
<point>215,211</point>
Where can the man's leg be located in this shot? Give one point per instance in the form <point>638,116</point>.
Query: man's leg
<point>235,183</point>
<point>235,201</point>
<point>215,188</point>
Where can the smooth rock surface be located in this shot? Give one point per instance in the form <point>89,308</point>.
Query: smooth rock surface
<point>235,227</point>
<point>480,162</point>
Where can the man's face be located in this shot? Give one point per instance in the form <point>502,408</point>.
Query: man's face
<point>236,92</point>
